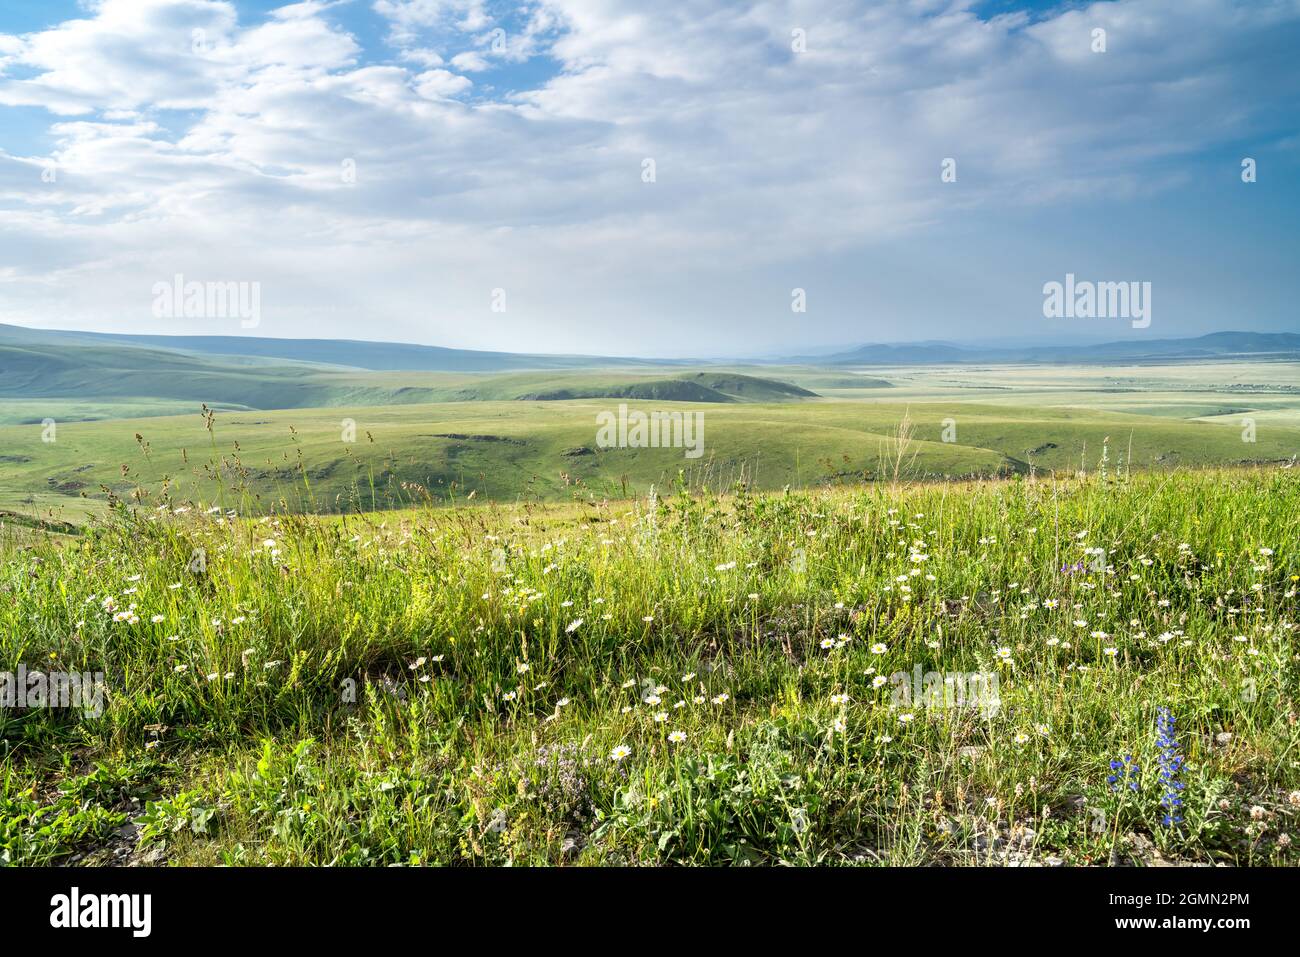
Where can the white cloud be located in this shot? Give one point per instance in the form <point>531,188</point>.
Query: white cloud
<point>131,53</point>
<point>470,61</point>
<point>765,158</point>
<point>438,84</point>
<point>408,18</point>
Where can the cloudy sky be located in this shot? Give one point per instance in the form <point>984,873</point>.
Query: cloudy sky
<point>381,167</point>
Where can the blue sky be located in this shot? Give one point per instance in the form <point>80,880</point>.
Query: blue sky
<point>501,146</point>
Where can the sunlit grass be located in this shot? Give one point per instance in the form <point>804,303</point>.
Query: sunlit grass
<point>684,680</point>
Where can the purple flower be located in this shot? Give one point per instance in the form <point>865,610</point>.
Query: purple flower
<point>1171,765</point>
<point>1126,774</point>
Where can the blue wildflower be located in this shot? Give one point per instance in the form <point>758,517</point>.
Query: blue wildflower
<point>1126,774</point>
<point>1171,765</point>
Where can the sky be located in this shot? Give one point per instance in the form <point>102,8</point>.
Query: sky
<point>649,178</point>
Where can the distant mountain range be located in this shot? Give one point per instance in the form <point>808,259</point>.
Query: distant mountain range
<point>1214,345</point>
<point>160,352</point>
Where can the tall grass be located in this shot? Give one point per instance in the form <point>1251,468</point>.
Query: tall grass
<point>690,680</point>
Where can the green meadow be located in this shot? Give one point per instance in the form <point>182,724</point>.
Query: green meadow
<point>759,678</point>
<point>890,615</point>
<point>498,441</point>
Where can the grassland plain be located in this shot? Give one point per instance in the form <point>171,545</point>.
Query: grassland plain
<point>687,679</point>
<point>298,459</point>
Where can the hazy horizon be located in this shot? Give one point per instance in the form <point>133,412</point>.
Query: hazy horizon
<point>793,352</point>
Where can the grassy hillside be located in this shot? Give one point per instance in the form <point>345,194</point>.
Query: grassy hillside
<point>333,352</point>
<point>73,381</point>
<point>509,451</point>
<point>748,388</point>
<point>686,681</point>
<point>279,437</point>
<point>691,387</point>
<point>117,375</point>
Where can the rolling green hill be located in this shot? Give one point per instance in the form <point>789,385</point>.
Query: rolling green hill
<point>302,435</point>
<point>692,387</point>
<point>345,353</point>
<point>748,388</point>
<point>85,379</point>
<point>93,383</point>
<point>507,451</point>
